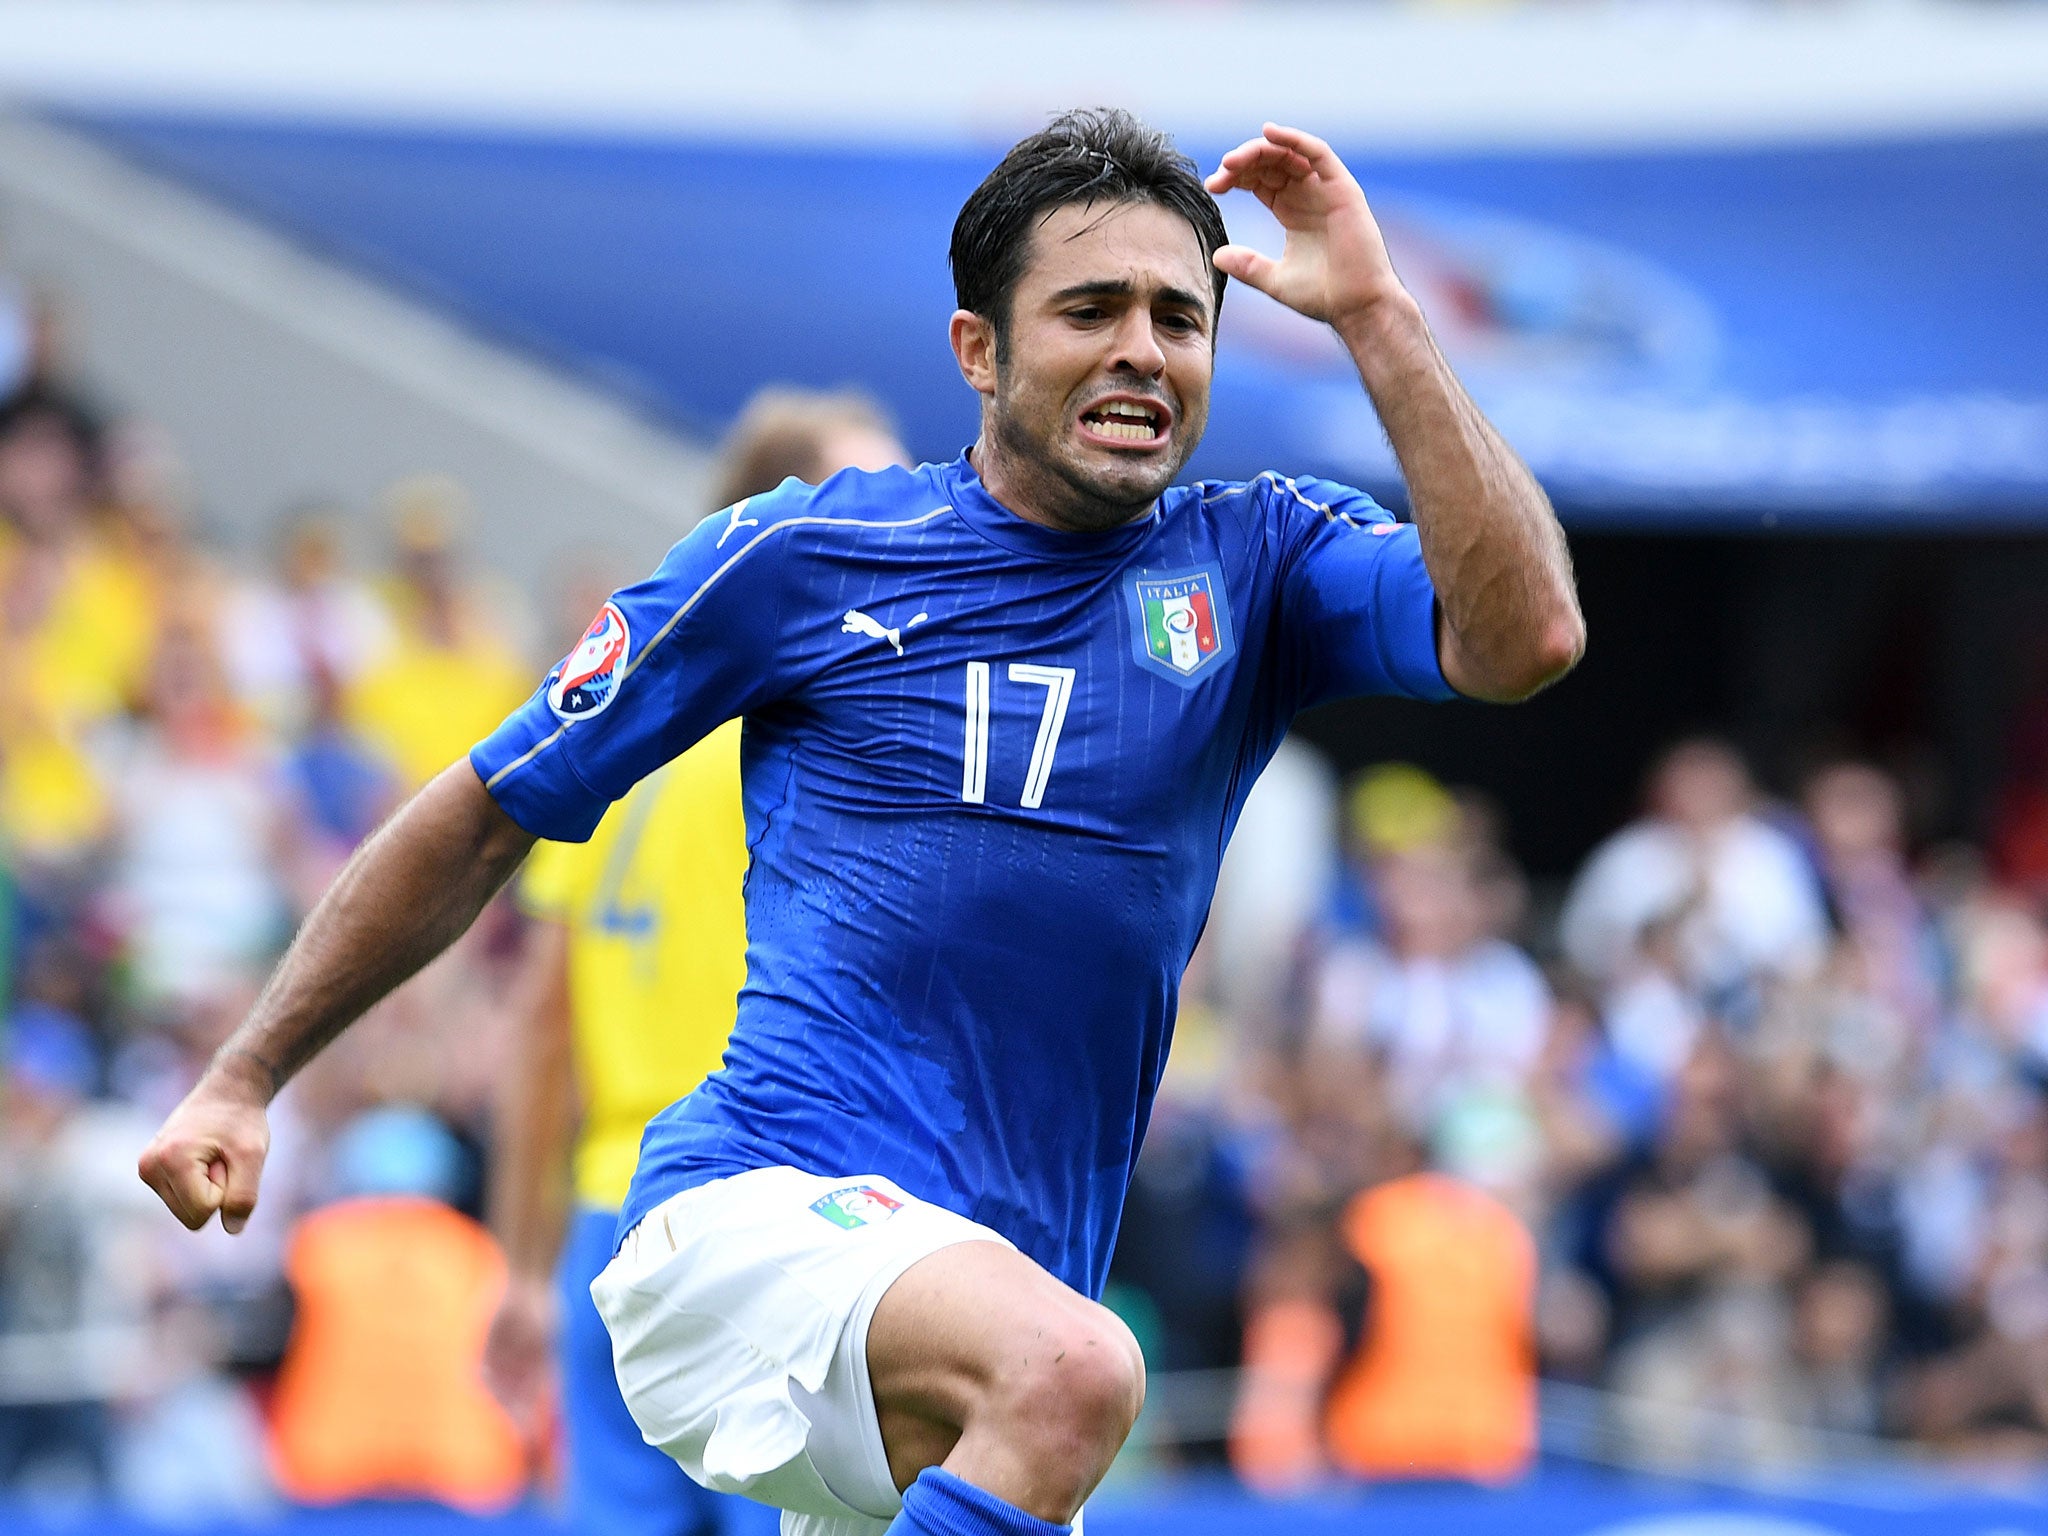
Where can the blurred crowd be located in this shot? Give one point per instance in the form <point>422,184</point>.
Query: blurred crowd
<point>1745,1132</point>
<point>198,739</point>
<point>1749,1136</point>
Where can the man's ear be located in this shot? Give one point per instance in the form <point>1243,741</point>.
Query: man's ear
<point>974,349</point>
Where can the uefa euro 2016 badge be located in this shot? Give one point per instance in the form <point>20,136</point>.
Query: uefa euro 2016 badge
<point>1182,624</point>
<point>857,1205</point>
<point>588,678</point>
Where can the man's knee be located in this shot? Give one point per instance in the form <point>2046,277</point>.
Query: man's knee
<point>982,1344</point>
<point>1079,1377</point>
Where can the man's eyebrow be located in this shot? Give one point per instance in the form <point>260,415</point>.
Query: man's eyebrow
<point>1119,288</point>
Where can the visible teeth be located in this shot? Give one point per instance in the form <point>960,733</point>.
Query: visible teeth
<point>1126,420</point>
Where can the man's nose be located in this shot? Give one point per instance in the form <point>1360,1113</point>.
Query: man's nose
<point>1137,346</point>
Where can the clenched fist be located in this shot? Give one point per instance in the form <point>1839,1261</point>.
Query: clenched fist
<point>209,1154</point>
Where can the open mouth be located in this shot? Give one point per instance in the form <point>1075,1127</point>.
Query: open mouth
<point>1126,421</point>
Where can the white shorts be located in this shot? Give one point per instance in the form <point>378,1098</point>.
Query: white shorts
<point>739,1315</point>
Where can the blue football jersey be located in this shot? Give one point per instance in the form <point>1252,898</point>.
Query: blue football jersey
<point>990,769</point>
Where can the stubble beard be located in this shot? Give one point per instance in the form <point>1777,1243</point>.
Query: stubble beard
<point>1061,492</point>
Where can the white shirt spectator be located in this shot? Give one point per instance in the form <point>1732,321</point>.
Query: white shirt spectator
<point>1444,1023</point>
<point>1743,900</point>
<point>1737,899</point>
<point>275,640</point>
<point>193,878</point>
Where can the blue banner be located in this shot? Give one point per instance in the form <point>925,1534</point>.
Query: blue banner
<point>1570,1505</point>
<point>1779,335</point>
<point>1562,1504</point>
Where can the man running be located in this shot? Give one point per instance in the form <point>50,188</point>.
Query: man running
<point>857,1266</point>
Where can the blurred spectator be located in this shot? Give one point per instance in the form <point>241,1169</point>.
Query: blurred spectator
<point>1840,1314</point>
<point>1387,809</point>
<point>295,645</point>
<point>1988,1396</point>
<point>1858,818</point>
<point>307,632</point>
<point>1443,1381</point>
<point>1701,1247</point>
<point>1293,1339</point>
<point>339,787</point>
<point>381,1393</point>
<point>74,629</point>
<point>453,673</point>
<point>194,1446</point>
<point>72,1273</point>
<point>1187,1231</point>
<point>1732,891</point>
<point>1456,1014</point>
<point>201,832</point>
<point>801,432</point>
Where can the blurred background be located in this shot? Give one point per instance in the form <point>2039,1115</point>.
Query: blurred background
<point>1625,1113</point>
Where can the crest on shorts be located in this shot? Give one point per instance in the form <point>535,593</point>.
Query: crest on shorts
<point>856,1205</point>
<point>1182,624</point>
<point>588,678</point>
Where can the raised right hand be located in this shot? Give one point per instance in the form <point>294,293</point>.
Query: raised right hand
<point>209,1154</point>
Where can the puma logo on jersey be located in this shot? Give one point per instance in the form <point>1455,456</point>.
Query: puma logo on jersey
<point>735,522</point>
<point>858,623</point>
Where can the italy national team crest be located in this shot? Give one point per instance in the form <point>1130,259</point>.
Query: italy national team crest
<point>588,678</point>
<point>857,1205</point>
<point>1183,623</point>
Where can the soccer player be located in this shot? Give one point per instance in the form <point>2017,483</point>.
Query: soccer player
<point>1000,715</point>
<point>636,956</point>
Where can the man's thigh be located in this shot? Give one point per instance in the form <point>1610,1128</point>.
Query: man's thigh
<point>738,1313</point>
<point>618,1484</point>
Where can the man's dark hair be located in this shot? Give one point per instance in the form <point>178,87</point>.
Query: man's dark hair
<point>1091,155</point>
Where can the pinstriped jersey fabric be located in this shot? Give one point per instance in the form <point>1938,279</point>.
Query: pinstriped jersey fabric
<point>989,771</point>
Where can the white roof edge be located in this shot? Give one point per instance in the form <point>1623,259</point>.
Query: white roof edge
<point>918,71</point>
<point>552,417</point>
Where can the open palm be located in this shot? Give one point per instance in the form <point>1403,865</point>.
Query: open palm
<point>1335,262</point>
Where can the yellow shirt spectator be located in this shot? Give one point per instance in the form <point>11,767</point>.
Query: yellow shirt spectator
<point>425,705</point>
<point>81,658</point>
<point>657,949</point>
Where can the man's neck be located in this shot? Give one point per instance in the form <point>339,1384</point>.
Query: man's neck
<point>1038,495</point>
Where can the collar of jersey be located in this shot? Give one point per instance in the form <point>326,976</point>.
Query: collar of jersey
<point>999,525</point>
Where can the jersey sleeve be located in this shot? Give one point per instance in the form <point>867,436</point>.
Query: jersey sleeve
<point>1357,603</point>
<point>665,662</point>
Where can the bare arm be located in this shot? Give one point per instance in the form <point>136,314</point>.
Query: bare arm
<point>529,1178</point>
<point>1509,616</point>
<point>1510,621</point>
<point>406,895</point>
<point>537,1111</point>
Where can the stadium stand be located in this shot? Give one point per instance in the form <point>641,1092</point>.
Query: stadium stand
<point>1737,1113</point>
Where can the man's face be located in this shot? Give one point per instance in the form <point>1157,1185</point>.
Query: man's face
<point>1101,384</point>
<point>44,480</point>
